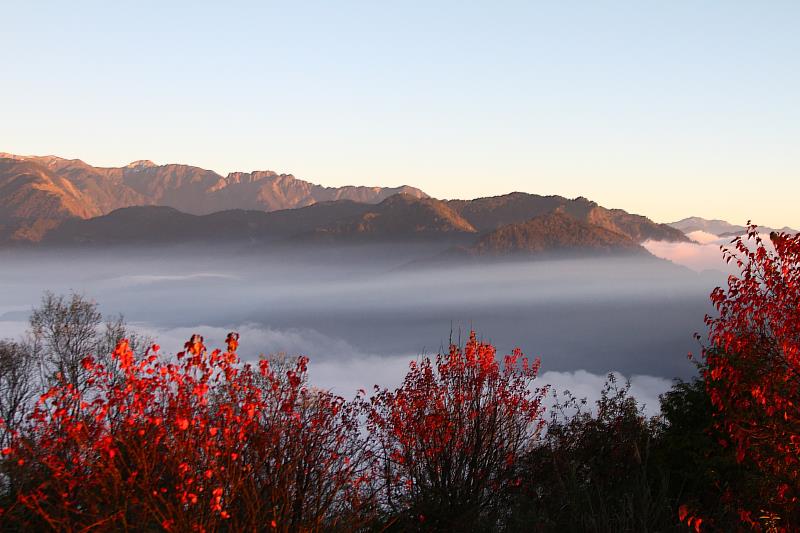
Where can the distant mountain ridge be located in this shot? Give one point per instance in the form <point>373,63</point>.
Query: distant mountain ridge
<point>718,227</point>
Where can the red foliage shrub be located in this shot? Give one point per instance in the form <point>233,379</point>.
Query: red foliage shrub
<point>201,444</point>
<point>451,436</point>
<point>204,443</point>
<point>752,367</point>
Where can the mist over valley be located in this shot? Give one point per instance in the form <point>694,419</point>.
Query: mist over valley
<point>370,309</point>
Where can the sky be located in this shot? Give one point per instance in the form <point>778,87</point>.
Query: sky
<point>668,109</point>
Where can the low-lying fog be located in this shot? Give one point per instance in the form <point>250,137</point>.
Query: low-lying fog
<point>361,313</point>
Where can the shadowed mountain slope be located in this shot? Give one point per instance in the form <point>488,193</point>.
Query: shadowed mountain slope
<point>400,217</point>
<point>554,233</point>
<point>487,214</point>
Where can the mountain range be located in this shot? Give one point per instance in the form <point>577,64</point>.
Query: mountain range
<point>55,201</point>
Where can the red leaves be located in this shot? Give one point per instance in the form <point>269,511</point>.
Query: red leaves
<point>694,522</point>
<point>195,345</point>
<point>204,439</point>
<point>294,380</point>
<point>216,501</point>
<point>124,354</point>
<point>232,341</point>
<point>752,363</point>
<point>105,451</point>
<point>440,424</point>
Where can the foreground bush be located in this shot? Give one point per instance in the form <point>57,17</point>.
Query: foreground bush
<point>451,437</point>
<point>201,444</point>
<point>705,479</point>
<point>597,471</point>
<point>204,443</point>
<point>752,370</point>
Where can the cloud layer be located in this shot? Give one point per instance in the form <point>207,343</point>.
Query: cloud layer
<point>338,366</point>
<point>702,255</point>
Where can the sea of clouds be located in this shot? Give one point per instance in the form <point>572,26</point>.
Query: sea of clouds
<point>705,254</point>
<point>363,318</point>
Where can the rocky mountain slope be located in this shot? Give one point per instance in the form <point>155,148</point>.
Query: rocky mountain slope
<point>53,187</point>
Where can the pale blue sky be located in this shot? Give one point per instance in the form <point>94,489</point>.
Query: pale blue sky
<point>668,109</point>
